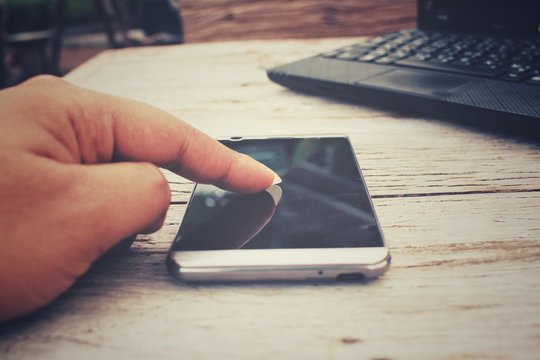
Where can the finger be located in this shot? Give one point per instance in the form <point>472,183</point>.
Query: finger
<point>120,247</point>
<point>78,217</point>
<point>155,226</point>
<point>107,128</point>
<point>145,133</point>
<point>114,201</point>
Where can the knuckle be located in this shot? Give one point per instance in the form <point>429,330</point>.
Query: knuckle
<point>48,91</point>
<point>44,81</point>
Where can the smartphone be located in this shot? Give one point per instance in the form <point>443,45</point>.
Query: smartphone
<point>318,224</point>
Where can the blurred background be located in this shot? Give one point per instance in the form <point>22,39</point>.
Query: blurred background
<point>55,36</point>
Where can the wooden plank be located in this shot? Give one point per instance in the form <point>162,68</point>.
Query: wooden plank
<point>212,20</point>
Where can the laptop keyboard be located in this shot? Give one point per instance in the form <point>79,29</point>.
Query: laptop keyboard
<point>504,59</point>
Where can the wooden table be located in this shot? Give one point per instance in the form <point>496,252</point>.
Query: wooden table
<point>459,208</point>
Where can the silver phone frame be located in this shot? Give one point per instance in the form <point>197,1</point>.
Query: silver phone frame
<point>281,264</point>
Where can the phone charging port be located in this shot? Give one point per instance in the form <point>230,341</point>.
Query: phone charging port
<point>350,277</point>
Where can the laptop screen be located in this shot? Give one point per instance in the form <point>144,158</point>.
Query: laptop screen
<point>520,18</point>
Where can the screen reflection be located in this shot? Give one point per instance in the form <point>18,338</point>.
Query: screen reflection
<point>236,219</point>
<point>321,203</point>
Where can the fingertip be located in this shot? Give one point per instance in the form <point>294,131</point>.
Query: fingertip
<point>155,225</point>
<point>277,179</point>
<point>123,199</point>
<point>159,186</point>
<point>247,175</point>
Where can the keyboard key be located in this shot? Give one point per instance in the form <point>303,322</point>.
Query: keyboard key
<point>386,60</point>
<point>518,67</point>
<point>535,80</point>
<point>489,64</point>
<point>514,76</point>
<point>348,55</point>
<point>369,57</point>
<point>441,59</point>
<point>464,61</point>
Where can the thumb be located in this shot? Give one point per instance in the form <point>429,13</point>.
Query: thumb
<point>94,207</point>
<point>119,200</point>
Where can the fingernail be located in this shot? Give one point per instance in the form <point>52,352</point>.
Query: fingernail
<point>277,179</point>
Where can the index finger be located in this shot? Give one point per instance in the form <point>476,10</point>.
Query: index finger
<point>127,130</point>
<point>146,133</point>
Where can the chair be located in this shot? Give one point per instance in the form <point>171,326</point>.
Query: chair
<point>36,52</point>
<point>159,20</point>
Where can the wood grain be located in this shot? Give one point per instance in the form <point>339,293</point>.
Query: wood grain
<point>212,20</point>
<point>459,208</point>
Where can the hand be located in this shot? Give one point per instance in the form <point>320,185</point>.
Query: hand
<point>68,192</point>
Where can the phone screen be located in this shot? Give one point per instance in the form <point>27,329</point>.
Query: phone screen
<point>322,202</point>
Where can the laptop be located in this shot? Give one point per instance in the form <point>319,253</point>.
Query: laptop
<point>470,61</point>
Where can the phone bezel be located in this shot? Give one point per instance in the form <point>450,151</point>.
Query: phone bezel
<point>281,264</point>
<point>278,264</point>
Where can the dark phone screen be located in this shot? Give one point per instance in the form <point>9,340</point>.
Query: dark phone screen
<point>321,203</point>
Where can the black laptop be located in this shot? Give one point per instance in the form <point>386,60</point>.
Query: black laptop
<point>472,61</point>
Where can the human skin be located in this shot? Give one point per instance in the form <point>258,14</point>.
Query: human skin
<point>79,173</point>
